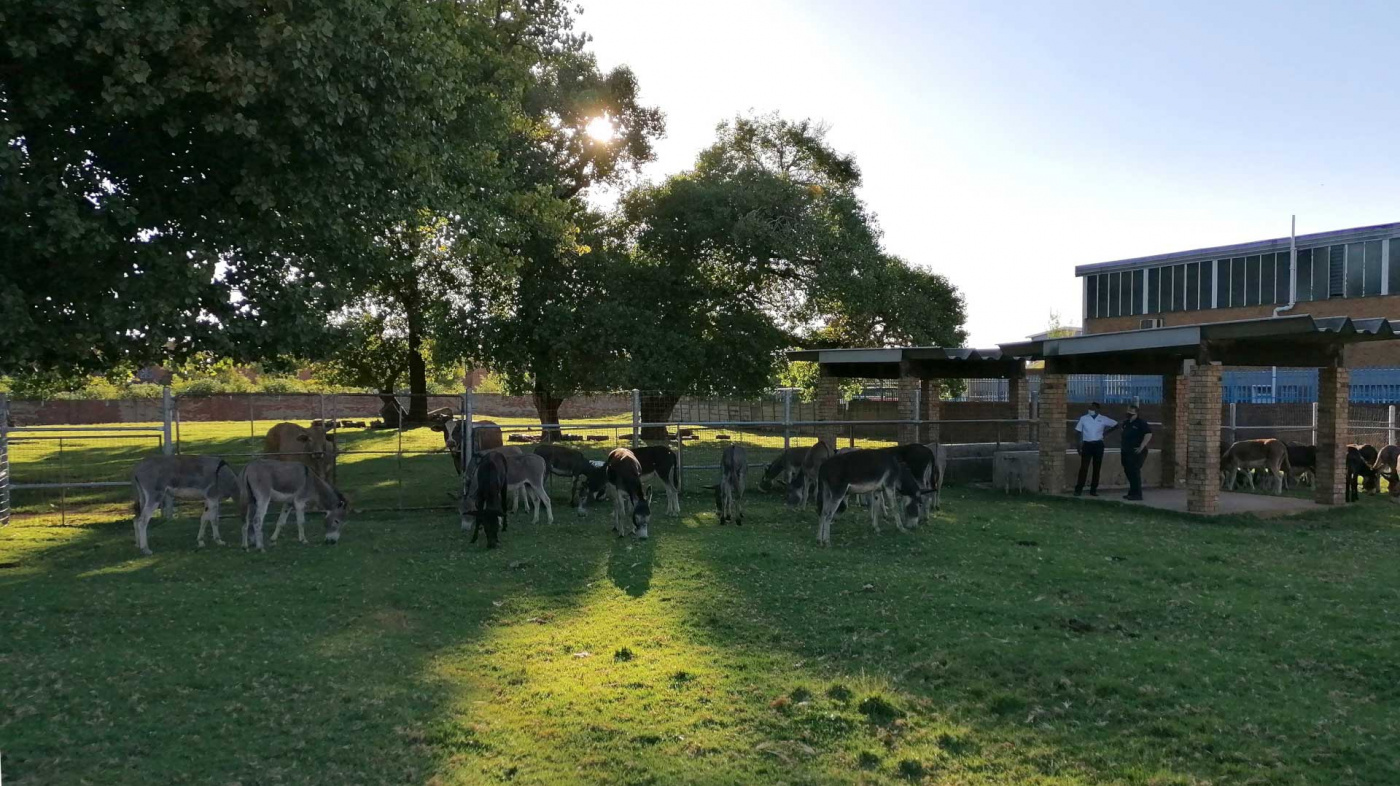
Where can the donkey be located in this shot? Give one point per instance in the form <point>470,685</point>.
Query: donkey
<point>782,468</point>
<point>525,474</point>
<point>569,463</point>
<point>865,471</point>
<point>927,464</point>
<point>485,501</point>
<point>624,473</point>
<point>804,484</point>
<point>1302,459</point>
<point>265,481</point>
<point>729,492</point>
<point>209,478</point>
<point>1370,479</point>
<point>660,462</point>
<point>1269,454</point>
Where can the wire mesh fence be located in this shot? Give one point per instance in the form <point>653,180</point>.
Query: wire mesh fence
<point>74,458</point>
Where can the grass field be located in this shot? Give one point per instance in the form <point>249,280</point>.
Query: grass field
<point>1015,640</point>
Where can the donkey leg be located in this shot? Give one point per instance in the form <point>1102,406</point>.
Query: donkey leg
<point>143,519</point>
<point>214,522</point>
<point>281,519</point>
<point>301,521</point>
<point>543,500</point>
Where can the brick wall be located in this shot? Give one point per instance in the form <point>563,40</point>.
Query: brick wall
<point>1332,411</point>
<point>1053,440</point>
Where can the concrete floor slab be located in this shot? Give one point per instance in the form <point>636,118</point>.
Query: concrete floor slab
<point>1231,503</point>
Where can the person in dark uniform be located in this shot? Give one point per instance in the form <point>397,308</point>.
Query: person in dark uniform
<point>1136,437</point>
<point>1091,427</point>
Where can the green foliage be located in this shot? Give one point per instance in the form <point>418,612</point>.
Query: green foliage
<point>763,245</point>
<point>803,375</point>
<point>184,152</point>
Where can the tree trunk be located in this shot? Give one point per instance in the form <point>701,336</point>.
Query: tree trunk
<point>657,408</point>
<point>547,406</point>
<point>417,368</point>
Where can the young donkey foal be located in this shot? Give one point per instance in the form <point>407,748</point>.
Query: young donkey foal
<point>265,482</point>
<point>624,473</point>
<point>867,471</point>
<point>787,464</point>
<point>729,492</point>
<point>186,477</point>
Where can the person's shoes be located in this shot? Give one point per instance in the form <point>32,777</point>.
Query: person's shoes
<point>1093,493</point>
<point>1078,493</point>
<point>1133,497</point>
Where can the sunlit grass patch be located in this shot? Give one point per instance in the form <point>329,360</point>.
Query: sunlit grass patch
<point>1010,641</point>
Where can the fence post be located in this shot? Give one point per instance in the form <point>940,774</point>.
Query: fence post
<point>1234,434</point>
<point>465,432</point>
<point>1314,423</point>
<point>636,417</point>
<point>787,418</point>
<point>4,461</point>
<point>680,459</point>
<point>167,413</point>
<point>918,411</point>
<point>1390,425</point>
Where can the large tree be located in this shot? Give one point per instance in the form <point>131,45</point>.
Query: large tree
<point>550,327</point>
<point>765,243</point>
<point>181,177</point>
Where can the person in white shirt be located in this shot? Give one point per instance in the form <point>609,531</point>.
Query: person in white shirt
<point>1091,427</point>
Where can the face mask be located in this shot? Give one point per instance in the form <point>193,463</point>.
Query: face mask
<point>1093,413</point>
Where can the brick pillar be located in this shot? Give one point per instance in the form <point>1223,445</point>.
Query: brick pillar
<point>1173,437</point>
<point>1333,400</point>
<point>1053,436</point>
<point>909,391</point>
<point>931,401</point>
<point>828,408</point>
<point>1018,395</point>
<point>1203,439</point>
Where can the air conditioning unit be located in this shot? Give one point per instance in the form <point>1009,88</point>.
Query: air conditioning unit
<point>1148,324</point>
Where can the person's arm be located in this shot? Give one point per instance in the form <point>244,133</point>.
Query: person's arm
<point>1145,441</point>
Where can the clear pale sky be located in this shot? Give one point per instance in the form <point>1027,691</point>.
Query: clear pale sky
<point>1004,143</point>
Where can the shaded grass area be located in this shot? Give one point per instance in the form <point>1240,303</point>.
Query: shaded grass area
<point>1015,640</point>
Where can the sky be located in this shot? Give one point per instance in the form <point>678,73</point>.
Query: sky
<point>1003,143</point>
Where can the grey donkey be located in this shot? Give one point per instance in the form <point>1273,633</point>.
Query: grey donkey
<point>209,478</point>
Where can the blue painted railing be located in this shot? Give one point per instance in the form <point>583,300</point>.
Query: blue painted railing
<point>1259,386</point>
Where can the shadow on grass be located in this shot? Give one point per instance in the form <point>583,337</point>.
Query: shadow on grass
<point>1028,640</point>
<point>307,664</point>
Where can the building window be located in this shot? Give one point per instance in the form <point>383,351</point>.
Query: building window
<point>1125,293</point>
<point>1394,266</point>
<point>1237,282</point>
<point>1178,287</point>
<point>1336,271</point>
<point>1222,283</point>
<point>1281,279</point>
<point>1154,290</point>
<point>1115,308</point>
<point>1091,297</point>
<point>1251,281</point>
<point>1305,274</point>
<point>1372,285</point>
<point>1207,281</point>
<point>1193,286</point>
<point>1266,279</point>
<point>1356,269</point>
<point>1103,296</point>
<point>1137,292</point>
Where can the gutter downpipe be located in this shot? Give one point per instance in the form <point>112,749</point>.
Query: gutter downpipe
<point>1292,269</point>
<point>1292,294</point>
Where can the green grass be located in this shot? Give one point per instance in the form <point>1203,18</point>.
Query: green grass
<point>1015,640</point>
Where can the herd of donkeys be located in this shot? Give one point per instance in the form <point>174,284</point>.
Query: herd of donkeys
<point>295,471</point>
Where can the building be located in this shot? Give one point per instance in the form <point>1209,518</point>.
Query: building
<point>1346,272</point>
